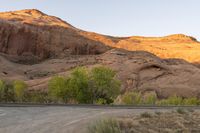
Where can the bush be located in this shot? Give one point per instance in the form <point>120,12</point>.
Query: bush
<point>174,100</point>
<point>158,113</point>
<point>103,84</point>
<point>19,90</point>
<point>191,101</point>
<point>105,126</point>
<point>79,85</point>
<point>145,115</point>
<point>135,98</point>
<point>58,89</point>
<point>2,86</point>
<point>180,111</point>
<point>132,98</point>
<point>37,97</point>
<point>16,92</point>
<point>100,101</point>
<point>6,92</point>
<point>162,102</point>
<point>96,86</point>
<point>150,99</point>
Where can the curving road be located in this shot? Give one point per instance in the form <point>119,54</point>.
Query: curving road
<point>59,119</point>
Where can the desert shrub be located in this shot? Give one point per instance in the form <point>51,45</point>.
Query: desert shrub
<point>191,101</point>
<point>190,110</point>
<point>6,92</point>
<point>105,126</point>
<point>37,97</point>
<point>100,101</point>
<point>150,99</point>
<point>145,115</point>
<point>158,113</point>
<point>132,98</point>
<point>19,90</point>
<point>179,131</point>
<point>174,100</point>
<point>16,91</point>
<point>58,89</point>
<point>103,84</point>
<point>162,102</point>
<point>135,98</point>
<point>181,111</point>
<point>2,86</point>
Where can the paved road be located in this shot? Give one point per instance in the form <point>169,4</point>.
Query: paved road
<point>58,119</point>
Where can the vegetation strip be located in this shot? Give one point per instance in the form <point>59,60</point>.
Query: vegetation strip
<point>86,86</point>
<point>177,121</point>
<point>96,106</point>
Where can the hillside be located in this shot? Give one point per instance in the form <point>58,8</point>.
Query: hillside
<point>31,36</point>
<point>34,47</point>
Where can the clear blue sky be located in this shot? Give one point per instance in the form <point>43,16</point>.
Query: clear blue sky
<point>121,17</point>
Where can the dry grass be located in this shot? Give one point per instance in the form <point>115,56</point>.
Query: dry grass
<point>178,121</point>
<point>169,122</point>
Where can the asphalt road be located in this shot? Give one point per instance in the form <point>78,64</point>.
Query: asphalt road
<point>59,119</point>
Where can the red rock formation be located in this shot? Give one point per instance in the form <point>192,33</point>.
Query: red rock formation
<point>30,35</point>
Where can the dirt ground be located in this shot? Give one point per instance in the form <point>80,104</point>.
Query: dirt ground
<point>181,121</point>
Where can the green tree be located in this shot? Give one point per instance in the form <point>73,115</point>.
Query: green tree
<point>104,85</point>
<point>19,89</point>
<point>58,89</point>
<point>84,86</point>
<point>7,92</point>
<point>79,85</point>
<point>2,87</point>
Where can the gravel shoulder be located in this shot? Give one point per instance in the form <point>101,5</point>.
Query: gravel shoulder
<point>59,119</point>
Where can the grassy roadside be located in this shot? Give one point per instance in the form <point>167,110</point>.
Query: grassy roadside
<point>136,98</point>
<point>179,121</point>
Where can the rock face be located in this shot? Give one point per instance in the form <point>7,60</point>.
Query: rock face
<point>146,72</point>
<point>173,46</point>
<point>31,36</point>
<point>137,70</point>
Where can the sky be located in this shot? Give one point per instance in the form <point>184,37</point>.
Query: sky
<point>120,17</point>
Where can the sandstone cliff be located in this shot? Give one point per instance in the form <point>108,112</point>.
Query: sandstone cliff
<point>31,36</point>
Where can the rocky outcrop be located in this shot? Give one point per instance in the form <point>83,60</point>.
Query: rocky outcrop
<point>141,71</point>
<point>145,72</point>
<point>32,36</point>
<point>29,35</point>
